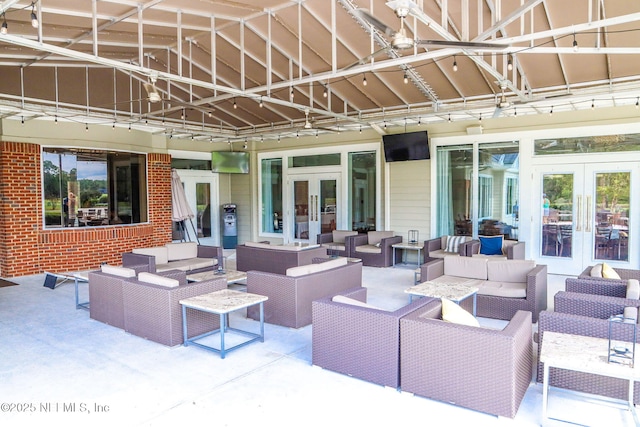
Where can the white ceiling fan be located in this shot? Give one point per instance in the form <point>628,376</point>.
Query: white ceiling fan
<point>400,40</point>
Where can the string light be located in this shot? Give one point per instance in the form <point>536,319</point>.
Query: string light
<point>449,118</point>
<point>34,18</point>
<point>325,93</point>
<point>551,111</point>
<point>406,78</point>
<point>235,106</point>
<point>575,43</point>
<point>86,127</point>
<point>364,80</point>
<point>455,64</point>
<point>480,118</point>
<point>261,104</point>
<point>509,65</point>
<point>593,105</point>
<point>292,94</point>
<point>5,28</point>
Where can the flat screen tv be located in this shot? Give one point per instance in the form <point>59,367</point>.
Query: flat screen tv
<point>230,162</point>
<point>406,146</point>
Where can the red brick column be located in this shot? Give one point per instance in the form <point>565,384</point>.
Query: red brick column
<point>27,248</point>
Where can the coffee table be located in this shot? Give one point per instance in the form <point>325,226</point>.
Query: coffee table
<point>582,354</point>
<point>455,292</point>
<point>222,303</point>
<point>232,276</point>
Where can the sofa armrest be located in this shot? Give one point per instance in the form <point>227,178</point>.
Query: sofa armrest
<point>216,252</point>
<point>599,306</point>
<point>129,260</point>
<point>537,289</point>
<point>516,251</point>
<point>432,245</point>
<point>605,287</point>
<point>325,238</point>
<point>359,240</point>
<point>388,241</point>
<point>432,269</point>
<point>470,248</point>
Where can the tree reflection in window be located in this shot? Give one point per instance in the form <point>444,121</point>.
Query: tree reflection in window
<point>93,188</point>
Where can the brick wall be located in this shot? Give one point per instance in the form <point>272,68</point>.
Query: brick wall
<point>27,248</point>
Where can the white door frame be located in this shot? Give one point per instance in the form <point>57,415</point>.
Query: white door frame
<point>191,177</point>
<point>315,204</point>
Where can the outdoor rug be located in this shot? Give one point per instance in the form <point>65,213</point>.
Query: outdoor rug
<point>5,283</point>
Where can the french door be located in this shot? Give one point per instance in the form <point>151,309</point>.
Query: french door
<point>201,190</point>
<point>586,214</point>
<point>314,205</point>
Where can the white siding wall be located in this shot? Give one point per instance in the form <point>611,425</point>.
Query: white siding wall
<point>409,192</point>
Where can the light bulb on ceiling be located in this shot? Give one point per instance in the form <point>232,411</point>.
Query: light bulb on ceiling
<point>325,93</point>
<point>575,44</point>
<point>34,18</point>
<point>593,105</point>
<point>235,106</point>
<point>509,64</point>
<point>406,78</point>
<point>261,104</point>
<point>364,80</point>
<point>292,94</point>
<point>5,28</point>
<point>455,64</point>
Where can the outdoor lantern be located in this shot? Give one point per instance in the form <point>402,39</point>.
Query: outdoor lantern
<point>622,340</point>
<point>413,236</point>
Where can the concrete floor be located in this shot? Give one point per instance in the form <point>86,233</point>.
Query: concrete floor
<point>58,365</point>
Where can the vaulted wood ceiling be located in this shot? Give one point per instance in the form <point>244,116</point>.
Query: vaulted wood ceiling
<point>273,68</point>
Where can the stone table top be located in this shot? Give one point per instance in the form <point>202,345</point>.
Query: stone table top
<point>224,301</point>
<point>451,291</point>
<point>584,354</point>
<point>232,276</point>
<point>407,245</point>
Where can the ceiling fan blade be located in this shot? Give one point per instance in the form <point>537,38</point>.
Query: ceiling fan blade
<point>461,44</point>
<point>497,112</point>
<point>375,22</point>
<point>367,58</point>
<point>152,92</point>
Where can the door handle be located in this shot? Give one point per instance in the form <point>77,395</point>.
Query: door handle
<point>588,218</point>
<point>579,215</point>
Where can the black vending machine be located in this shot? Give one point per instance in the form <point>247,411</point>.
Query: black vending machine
<point>229,226</point>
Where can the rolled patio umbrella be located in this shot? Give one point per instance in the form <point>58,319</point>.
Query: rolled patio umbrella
<point>180,209</point>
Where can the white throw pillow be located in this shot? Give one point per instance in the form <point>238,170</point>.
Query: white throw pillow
<point>633,289</point>
<point>453,313</point>
<point>118,271</point>
<point>596,271</point>
<point>154,279</point>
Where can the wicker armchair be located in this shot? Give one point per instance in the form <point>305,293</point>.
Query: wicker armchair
<point>478,368</point>
<point>154,312</point>
<point>579,381</point>
<point>361,342</point>
<point>336,242</point>
<point>587,284</point>
<point>374,248</point>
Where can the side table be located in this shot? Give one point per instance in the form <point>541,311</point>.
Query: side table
<point>455,292</point>
<point>222,303</point>
<point>408,247</point>
<point>582,354</point>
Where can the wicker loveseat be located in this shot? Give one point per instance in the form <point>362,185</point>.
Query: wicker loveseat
<point>505,286</point>
<point>478,368</point>
<point>150,310</point>
<point>291,296</point>
<point>186,256</point>
<point>275,258</point>
<point>359,340</point>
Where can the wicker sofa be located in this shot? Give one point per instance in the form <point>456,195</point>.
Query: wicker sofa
<point>512,249</point>
<point>275,258</point>
<point>579,381</point>
<point>291,296</point>
<point>505,286</point>
<point>186,256</point>
<point>359,340</point>
<point>478,368</point>
<point>148,309</point>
